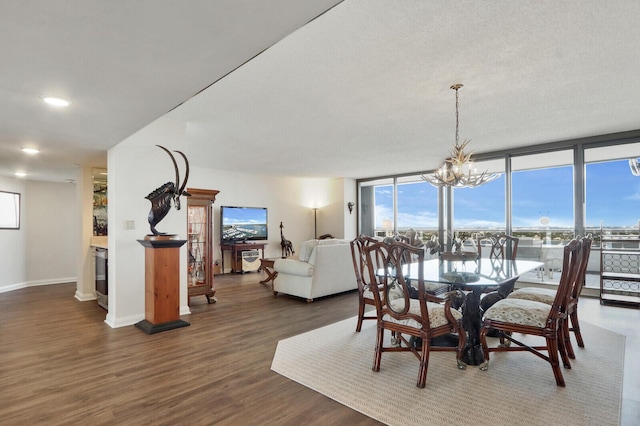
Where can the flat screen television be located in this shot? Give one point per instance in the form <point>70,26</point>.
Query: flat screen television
<point>240,224</point>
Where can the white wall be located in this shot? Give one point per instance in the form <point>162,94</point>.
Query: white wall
<point>50,211</point>
<point>136,167</point>
<point>351,221</point>
<point>330,197</point>
<point>43,250</point>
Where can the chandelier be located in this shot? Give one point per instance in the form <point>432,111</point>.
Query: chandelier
<point>634,165</point>
<point>457,170</point>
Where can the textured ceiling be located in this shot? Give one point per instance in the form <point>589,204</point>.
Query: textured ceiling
<point>122,63</point>
<point>363,90</point>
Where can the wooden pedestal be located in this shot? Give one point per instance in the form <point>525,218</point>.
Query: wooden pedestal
<point>162,284</point>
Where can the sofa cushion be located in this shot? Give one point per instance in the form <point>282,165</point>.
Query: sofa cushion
<point>332,242</point>
<point>306,248</point>
<point>293,267</point>
<point>330,246</point>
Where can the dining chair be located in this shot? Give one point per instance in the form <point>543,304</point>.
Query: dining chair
<point>403,239</point>
<point>546,295</point>
<point>512,315</point>
<point>437,289</point>
<point>365,296</point>
<point>552,260</point>
<point>422,319</point>
<point>499,247</point>
<point>414,240</point>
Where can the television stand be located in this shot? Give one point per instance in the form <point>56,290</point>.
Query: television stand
<point>236,250</point>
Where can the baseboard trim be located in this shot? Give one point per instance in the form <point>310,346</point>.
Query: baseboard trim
<point>37,283</point>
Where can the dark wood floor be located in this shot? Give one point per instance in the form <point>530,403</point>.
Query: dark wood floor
<point>61,364</point>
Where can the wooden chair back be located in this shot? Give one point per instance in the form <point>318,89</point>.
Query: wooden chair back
<point>572,261</point>
<point>403,239</point>
<point>362,277</point>
<point>387,263</point>
<point>572,302</point>
<point>359,260</point>
<point>579,282</point>
<point>502,246</point>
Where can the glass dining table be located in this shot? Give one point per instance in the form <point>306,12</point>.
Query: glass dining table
<point>474,276</point>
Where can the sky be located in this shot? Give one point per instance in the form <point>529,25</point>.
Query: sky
<point>612,198</point>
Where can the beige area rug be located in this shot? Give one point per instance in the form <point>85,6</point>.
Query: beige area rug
<point>518,389</point>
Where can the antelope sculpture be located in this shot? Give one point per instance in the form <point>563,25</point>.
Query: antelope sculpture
<point>161,197</point>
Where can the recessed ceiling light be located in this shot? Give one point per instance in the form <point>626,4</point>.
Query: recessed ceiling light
<point>31,151</point>
<point>59,102</point>
<point>20,174</point>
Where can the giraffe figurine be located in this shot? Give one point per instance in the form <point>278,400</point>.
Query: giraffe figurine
<point>287,247</point>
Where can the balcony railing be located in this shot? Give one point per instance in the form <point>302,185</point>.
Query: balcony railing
<point>544,244</point>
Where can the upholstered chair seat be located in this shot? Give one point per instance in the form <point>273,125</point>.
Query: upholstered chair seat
<point>436,289</point>
<point>543,295</point>
<point>367,294</point>
<point>436,312</point>
<point>519,311</point>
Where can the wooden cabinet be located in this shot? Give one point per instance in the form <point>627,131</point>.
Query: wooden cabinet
<point>200,243</point>
<point>242,251</point>
<point>620,270</point>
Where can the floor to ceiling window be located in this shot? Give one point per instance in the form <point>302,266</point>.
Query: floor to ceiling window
<point>542,197</point>
<point>395,205</point>
<point>384,207</point>
<point>377,206</point>
<point>417,206</point>
<point>481,209</point>
<point>612,191</point>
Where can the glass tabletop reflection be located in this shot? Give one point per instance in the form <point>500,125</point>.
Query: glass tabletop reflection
<point>479,272</point>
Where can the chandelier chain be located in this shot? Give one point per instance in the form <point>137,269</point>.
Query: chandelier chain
<point>457,115</point>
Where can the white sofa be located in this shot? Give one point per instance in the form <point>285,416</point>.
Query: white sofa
<point>323,267</point>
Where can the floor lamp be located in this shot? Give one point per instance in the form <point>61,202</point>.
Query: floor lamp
<point>315,223</point>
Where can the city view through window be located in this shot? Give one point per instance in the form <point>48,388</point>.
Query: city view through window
<point>542,204</point>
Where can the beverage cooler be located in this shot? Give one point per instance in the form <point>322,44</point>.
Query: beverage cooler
<point>102,267</point>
